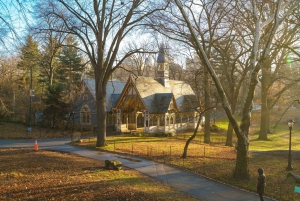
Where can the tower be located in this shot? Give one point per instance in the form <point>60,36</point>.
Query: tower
<point>162,67</point>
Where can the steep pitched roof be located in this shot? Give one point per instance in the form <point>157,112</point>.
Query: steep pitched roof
<point>162,56</point>
<point>113,91</point>
<point>157,98</point>
<point>184,95</point>
<point>163,102</point>
<point>147,88</point>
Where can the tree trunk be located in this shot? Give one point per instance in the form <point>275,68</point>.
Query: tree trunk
<point>207,105</point>
<point>101,118</point>
<point>207,128</point>
<point>230,127</point>
<point>241,170</point>
<point>263,134</point>
<point>229,135</point>
<point>184,155</point>
<point>264,124</point>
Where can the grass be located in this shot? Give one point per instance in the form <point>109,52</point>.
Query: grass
<point>44,175</point>
<point>217,161</point>
<point>278,140</point>
<point>213,161</point>
<point>19,131</point>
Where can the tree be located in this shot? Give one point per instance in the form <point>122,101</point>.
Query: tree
<point>232,66</point>
<point>70,67</point>
<point>276,77</point>
<point>274,20</point>
<point>9,16</point>
<point>56,108</point>
<point>5,94</point>
<point>49,60</point>
<point>29,60</point>
<point>28,64</point>
<point>101,27</point>
<point>70,73</point>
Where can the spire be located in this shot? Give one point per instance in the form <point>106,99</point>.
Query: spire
<point>162,56</point>
<point>162,67</point>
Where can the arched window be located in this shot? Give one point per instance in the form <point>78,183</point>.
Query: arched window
<point>171,106</point>
<point>85,115</point>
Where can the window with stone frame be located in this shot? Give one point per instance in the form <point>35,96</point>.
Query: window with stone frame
<point>85,115</point>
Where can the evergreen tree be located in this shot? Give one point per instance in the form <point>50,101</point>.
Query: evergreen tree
<point>28,64</point>
<point>70,66</point>
<point>56,109</point>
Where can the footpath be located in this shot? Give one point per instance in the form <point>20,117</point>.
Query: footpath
<point>195,185</point>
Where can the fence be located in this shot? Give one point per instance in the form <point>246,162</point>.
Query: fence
<point>212,160</point>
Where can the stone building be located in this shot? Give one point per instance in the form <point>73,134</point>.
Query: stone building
<point>149,104</point>
<point>156,104</point>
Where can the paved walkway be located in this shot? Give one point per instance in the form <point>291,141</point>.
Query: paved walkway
<point>194,185</point>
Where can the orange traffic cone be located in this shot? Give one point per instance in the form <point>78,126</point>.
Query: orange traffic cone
<point>36,146</point>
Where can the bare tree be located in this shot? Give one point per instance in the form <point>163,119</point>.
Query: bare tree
<point>277,75</point>
<point>13,21</point>
<point>102,27</point>
<point>9,99</point>
<point>138,64</point>
<point>260,22</point>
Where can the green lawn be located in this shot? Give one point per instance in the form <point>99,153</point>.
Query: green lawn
<point>278,140</point>
<point>216,161</point>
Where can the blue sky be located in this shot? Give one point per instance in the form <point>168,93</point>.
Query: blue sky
<point>13,24</point>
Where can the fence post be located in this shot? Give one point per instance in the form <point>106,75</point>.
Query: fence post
<point>170,150</point>
<point>114,145</point>
<point>204,161</point>
<point>131,149</point>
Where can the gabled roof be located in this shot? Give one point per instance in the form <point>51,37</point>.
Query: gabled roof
<point>157,98</point>
<point>114,99</point>
<point>183,94</point>
<point>90,84</point>
<point>163,102</point>
<point>113,91</point>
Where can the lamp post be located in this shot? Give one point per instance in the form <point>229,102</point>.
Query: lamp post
<point>31,94</point>
<point>290,125</point>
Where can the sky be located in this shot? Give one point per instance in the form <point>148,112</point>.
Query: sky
<point>19,17</point>
<point>13,23</point>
